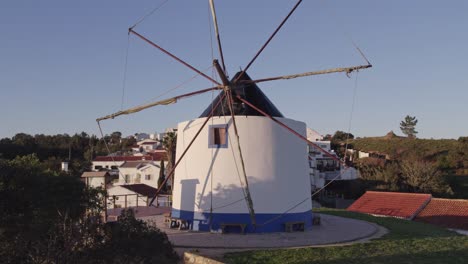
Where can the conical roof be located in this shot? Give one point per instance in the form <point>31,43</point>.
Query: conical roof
<point>248,91</point>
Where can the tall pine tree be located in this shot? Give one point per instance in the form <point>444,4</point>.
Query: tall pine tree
<point>408,125</point>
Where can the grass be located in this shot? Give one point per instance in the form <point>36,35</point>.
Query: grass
<point>407,242</point>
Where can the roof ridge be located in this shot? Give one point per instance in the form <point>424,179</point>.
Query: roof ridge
<point>448,199</point>
<point>405,193</point>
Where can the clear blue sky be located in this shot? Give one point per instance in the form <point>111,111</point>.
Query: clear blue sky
<point>62,62</point>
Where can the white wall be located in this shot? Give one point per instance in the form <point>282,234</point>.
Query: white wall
<point>120,201</point>
<point>362,154</point>
<point>121,192</point>
<point>275,159</point>
<point>106,164</point>
<point>349,174</point>
<point>134,172</point>
<point>95,182</point>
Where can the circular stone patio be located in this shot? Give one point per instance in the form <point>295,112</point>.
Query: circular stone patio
<point>332,230</point>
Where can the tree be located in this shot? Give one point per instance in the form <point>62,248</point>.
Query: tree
<point>423,176</point>
<point>342,136</point>
<point>408,125</point>
<point>169,143</point>
<point>339,140</point>
<point>48,217</point>
<point>133,241</point>
<point>162,176</point>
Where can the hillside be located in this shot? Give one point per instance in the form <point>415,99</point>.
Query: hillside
<point>400,146</point>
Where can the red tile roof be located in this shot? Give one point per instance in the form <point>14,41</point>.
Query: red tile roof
<point>450,213</point>
<point>137,164</point>
<point>401,205</point>
<point>149,143</point>
<point>156,156</point>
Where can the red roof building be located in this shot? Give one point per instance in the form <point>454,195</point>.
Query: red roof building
<point>155,156</point>
<point>394,204</point>
<point>449,213</point>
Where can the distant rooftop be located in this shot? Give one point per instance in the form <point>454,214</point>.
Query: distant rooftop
<point>137,164</point>
<point>155,156</point>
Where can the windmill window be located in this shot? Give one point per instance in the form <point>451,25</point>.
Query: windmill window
<point>218,136</point>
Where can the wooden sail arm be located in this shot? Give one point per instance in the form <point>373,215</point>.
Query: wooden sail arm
<point>215,23</point>
<point>347,70</point>
<point>161,102</point>
<point>130,30</point>
<point>248,196</point>
<point>269,39</point>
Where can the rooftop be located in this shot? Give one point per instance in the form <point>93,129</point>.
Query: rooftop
<point>451,213</point>
<point>395,204</point>
<point>137,164</point>
<point>155,156</point>
<point>247,91</point>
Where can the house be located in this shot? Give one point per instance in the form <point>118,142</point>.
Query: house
<point>136,172</point>
<point>98,179</point>
<point>112,163</point>
<point>134,195</point>
<point>394,204</point>
<point>148,145</point>
<point>323,168</point>
<point>141,136</point>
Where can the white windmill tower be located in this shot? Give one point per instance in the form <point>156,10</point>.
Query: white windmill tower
<point>241,161</point>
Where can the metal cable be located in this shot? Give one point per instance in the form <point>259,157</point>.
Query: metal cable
<point>149,13</point>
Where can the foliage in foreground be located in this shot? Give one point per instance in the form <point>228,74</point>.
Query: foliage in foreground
<point>52,218</point>
<point>407,242</point>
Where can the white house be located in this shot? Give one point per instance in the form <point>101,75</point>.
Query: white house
<point>141,136</point>
<point>134,195</point>
<point>323,168</point>
<point>136,172</point>
<point>97,179</point>
<point>112,163</point>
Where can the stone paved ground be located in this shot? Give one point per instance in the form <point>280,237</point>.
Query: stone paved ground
<point>332,231</point>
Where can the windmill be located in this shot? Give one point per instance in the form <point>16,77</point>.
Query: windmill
<point>241,161</point>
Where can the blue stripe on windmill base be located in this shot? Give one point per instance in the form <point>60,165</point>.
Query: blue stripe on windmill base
<point>265,222</point>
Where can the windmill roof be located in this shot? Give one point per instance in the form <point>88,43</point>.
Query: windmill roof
<point>395,204</point>
<point>450,213</point>
<point>248,91</point>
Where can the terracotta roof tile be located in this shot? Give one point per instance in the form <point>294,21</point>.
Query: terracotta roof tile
<point>450,213</point>
<point>155,156</point>
<point>401,205</point>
